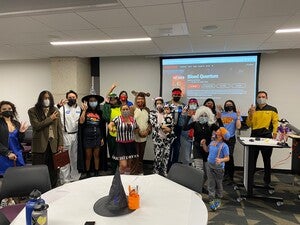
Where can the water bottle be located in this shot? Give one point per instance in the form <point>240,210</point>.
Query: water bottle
<point>39,214</point>
<point>34,197</point>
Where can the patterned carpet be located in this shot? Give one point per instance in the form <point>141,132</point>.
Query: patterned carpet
<point>258,211</point>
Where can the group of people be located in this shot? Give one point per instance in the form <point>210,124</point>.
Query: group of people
<point>204,136</point>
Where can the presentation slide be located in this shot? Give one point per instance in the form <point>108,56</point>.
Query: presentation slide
<point>219,78</point>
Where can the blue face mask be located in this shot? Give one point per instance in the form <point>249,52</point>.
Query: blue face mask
<point>93,104</point>
<point>203,119</point>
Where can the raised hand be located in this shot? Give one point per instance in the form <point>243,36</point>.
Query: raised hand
<point>23,127</point>
<point>54,115</point>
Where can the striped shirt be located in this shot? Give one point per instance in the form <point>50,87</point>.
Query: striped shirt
<point>125,131</point>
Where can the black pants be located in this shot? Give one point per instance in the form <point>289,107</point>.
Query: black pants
<point>229,166</point>
<point>46,158</point>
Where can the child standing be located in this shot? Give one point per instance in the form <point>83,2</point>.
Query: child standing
<point>218,154</point>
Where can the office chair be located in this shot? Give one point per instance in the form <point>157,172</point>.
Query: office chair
<point>3,219</point>
<point>187,176</point>
<point>20,182</point>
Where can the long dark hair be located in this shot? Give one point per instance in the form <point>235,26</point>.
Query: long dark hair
<point>13,107</point>
<point>40,104</point>
<point>214,105</point>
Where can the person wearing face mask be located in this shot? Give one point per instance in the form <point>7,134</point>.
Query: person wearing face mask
<point>210,103</point>
<point>126,127</point>
<point>47,138</point>
<point>91,134</point>
<point>112,109</point>
<point>231,119</point>
<point>141,115</point>
<point>204,124</point>
<point>177,107</point>
<point>186,138</point>
<point>263,120</point>
<point>123,96</point>
<point>11,136</point>
<point>162,137</point>
<point>70,113</point>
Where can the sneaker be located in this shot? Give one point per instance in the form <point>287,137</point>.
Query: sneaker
<point>217,204</point>
<point>212,205</point>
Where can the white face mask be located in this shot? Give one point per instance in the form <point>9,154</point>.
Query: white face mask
<point>46,102</point>
<point>193,106</point>
<point>261,101</point>
<point>203,119</point>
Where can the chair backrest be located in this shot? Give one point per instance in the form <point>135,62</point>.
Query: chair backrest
<point>187,176</point>
<point>21,181</point>
<point>3,219</point>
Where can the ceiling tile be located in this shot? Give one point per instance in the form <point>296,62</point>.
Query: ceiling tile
<point>125,32</point>
<point>259,8</point>
<point>64,21</point>
<point>93,34</point>
<point>224,27</point>
<point>212,10</point>
<point>131,3</point>
<point>167,30</point>
<point>109,18</point>
<point>160,14</point>
<point>21,24</point>
<point>256,25</point>
<point>173,44</point>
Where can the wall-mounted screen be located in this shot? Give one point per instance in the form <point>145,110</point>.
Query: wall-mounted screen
<point>221,78</point>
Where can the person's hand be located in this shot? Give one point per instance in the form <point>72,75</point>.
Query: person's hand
<point>62,102</point>
<point>102,142</point>
<point>218,160</point>
<point>202,142</point>
<point>12,156</point>
<point>23,127</point>
<point>219,108</point>
<point>252,110</point>
<point>113,86</point>
<point>84,106</point>
<point>143,133</point>
<point>218,115</point>
<point>191,112</point>
<point>238,113</point>
<point>60,148</point>
<point>54,115</point>
<point>166,129</point>
<point>274,136</point>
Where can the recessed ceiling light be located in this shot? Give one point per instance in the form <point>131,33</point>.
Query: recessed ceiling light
<point>210,28</point>
<point>99,41</point>
<point>293,30</point>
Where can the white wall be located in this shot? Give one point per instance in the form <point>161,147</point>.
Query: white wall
<point>22,81</point>
<point>279,77</point>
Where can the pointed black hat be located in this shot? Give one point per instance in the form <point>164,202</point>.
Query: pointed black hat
<point>115,204</point>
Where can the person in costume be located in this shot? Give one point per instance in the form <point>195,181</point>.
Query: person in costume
<point>11,136</point>
<point>162,137</point>
<point>47,138</point>
<point>126,126</point>
<point>91,131</point>
<point>70,113</point>
<point>141,115</point>
<point>112,109</point>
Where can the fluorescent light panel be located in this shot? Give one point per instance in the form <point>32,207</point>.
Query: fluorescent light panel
<point>292,30</point>
<point>99,41</point>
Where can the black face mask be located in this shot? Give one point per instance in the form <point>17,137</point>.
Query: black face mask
<point>71,102</point>
<point>176,99</point>
<point>228,108</point>
<point>7,114</point>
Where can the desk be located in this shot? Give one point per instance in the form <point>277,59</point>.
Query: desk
<point>163,202</point>
<point>295,153</point>
<point>248,180</point>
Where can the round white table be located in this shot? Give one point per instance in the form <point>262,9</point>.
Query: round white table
<point>163,202</point>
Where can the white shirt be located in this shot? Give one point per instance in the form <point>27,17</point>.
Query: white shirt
<point>70,119</point>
